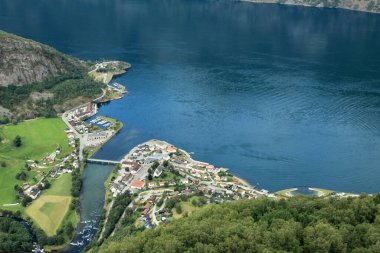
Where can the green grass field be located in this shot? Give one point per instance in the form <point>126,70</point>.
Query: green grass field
<point>60,186</point>
<point>40,137</point>
<point>48,212</point>
<point>50,208</point>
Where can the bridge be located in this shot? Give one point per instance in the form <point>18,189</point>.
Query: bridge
<point>102,161</point>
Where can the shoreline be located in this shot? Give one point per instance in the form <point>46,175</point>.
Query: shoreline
<point>94,112</point>
<point>308,6</point>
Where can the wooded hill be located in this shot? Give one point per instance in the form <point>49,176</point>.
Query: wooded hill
<point>301,224</point>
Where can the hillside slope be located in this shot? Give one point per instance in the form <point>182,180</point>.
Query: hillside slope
<point>24,61</point>
<point>38,81</point>
<point>359,5</point>
<point>300,224</point>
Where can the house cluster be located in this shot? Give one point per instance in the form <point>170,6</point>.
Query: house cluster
<point>208,178</point>
<point>70,136</point>
<point>152,208</point>
<point>157,170</point>
<point>135,166</point>
<point>161,174</point>
<point>76,116</point>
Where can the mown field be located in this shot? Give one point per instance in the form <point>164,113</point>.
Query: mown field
<point>49,210</point>
<point>40,137</point>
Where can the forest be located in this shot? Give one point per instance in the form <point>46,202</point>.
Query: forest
<point>60,89</point>
<point>14,236</point>
<point>301,224</point>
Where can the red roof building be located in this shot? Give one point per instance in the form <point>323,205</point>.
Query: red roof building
<point>137,184</point>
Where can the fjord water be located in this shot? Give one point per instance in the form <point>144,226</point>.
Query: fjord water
<point>283,96</point>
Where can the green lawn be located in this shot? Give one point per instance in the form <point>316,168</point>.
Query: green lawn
<point>39,137</point>
<point>60,186</point>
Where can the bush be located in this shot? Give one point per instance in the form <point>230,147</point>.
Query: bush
<point>21,175</point>
<point>17,142</point>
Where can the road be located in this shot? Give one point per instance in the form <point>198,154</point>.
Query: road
<point>153,216</point>
<point>77,136</point>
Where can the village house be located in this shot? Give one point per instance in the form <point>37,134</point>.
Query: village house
<point>137,184</point>
<point>76,164</point>
<point>25,186</point>
<point>126,178</point>
<point>34,192</point>
<point>171,149</point>
<point>184,180</point>
<point>210,167</point>
<point>54,172</point>
<point>157,171</point>
<point>85,111</point>
<point>151,184</point>
<point>132,166</point>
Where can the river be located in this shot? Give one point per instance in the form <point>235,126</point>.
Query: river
<point>92,202</point>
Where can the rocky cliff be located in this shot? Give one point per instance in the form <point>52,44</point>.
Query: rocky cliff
<point>359,5</point>
<point>24,61</point>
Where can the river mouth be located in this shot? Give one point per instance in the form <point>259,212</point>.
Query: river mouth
<point>92,203</point>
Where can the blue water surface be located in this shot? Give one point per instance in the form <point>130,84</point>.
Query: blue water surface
<point>283,96</point>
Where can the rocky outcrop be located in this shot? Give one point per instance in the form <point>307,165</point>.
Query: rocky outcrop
<point>24,61</point>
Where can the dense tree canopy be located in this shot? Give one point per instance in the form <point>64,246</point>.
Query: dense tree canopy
<point>62,88</point>
<point>14,236</point>
<point>300,224</point>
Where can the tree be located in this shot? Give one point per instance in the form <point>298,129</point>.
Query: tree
<point>178,208</point>
<point>69,229</point>
<point>47,184</point>
<point>323,237</point>
<point>26,200</point>
<point>3,164</point>
<point>300,224</point>
<point>21,175</point>
<point>155,165</point>
<point>17,142</point>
